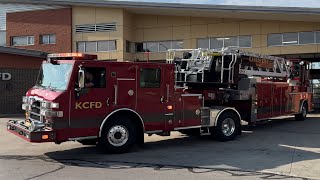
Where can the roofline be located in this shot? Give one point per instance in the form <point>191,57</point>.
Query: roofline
<point>180,6</point>
<point>23,52</point>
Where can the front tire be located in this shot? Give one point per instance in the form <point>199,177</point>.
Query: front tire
<point>228,127</point>
<point>118,135</point>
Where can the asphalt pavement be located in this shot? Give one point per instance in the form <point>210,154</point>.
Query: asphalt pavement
<point>277,149</point>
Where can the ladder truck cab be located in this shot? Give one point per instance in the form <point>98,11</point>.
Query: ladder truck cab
<point>197,92</point>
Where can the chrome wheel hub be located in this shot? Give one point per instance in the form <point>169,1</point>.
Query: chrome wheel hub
<point>228,127</point>
<point>118,135</point>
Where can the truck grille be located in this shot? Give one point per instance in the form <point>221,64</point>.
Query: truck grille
<point>35,111</point>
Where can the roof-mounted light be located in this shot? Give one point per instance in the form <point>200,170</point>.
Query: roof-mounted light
<point>71,56</point>
<point>66,55</point>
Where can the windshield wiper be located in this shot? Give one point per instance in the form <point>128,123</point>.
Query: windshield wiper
<point>51,88</point>
<point>40,86</point>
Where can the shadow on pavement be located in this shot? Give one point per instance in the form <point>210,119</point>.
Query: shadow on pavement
<point>268,146</point>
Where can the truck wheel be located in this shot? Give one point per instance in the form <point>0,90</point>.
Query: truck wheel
<point>228,127</point>
<point>304,111</point>
<point>118,135</point>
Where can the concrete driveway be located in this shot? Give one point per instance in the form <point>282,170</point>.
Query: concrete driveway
<point>281,149</point>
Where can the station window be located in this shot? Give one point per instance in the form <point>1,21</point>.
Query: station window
<point>306,38</point>
<point>318,37</point>
<point>150,77</point>
<point>274,39</point>
<point>220,42</point>
<point>290,38</point>
<point>96,46</point>
<point>294,38</point>
<point>158,46</point>
<point>151,47</point>
<point>2,38</point>
<point>22,40</point>
<point>245,41</point>
<point>231,41</point>
<point>216,43</point>
<point>48,39</point>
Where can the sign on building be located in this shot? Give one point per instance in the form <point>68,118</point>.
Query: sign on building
<point>5,76</point>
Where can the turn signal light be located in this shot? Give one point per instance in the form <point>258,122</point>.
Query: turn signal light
<point>45,136</point>
<point>169,107</point>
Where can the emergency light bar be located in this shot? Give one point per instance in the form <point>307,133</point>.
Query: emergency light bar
<point>71,56</point>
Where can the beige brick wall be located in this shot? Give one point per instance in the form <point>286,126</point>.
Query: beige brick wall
<point>93,15</point>
<point>146,27</point>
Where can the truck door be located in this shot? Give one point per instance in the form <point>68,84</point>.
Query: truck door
<point>90,105</point>
<point>153,96</point>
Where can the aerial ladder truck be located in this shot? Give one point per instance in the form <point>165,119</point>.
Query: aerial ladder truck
<point>197,91</point>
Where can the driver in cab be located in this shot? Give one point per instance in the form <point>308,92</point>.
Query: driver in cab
<point>90,81</point>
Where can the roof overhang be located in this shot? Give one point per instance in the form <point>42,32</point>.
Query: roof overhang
<point>195,10</point>
<point>23,52</point>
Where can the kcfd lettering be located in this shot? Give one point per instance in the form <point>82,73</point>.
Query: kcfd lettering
<point>88,105</point>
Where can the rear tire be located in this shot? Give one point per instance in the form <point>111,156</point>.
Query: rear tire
<point>118,135</point>
<point>303,114</point>
<point>228,127</point>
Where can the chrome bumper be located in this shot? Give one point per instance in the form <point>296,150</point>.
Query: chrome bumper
<point>23,131</point>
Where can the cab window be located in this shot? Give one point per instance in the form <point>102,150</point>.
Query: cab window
<point>150,77</point>
<point>95,77</point>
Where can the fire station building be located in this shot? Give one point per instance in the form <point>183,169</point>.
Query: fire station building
<point>18,72</point>
<point>124,31</point>
<point>128,31</point>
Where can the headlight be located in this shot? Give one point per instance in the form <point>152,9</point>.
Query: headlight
<point>25,107</point>
<point>43,112</point>
<point>25,99</point>
<point>54,105</point>
<point>50,113</point>
<point>45,104</point>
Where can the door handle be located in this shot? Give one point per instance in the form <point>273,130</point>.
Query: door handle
<point>162,99</point>
<point>107,102</point>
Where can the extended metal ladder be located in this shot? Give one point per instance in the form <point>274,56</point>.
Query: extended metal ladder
<point>280,67</point>
<point>200,60</point>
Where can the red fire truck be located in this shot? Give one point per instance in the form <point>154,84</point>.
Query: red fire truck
<point>197,91</point>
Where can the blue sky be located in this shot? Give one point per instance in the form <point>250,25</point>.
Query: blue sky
<point>282,3</point>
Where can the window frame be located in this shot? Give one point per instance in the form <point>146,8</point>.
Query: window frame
<point>223,41</point>
<point>141,75</point>
<point>95,69</point>
<point>145,44</point>
<point>314,37</point>
<point>298,44</point>
<point>27,40</point>
<point>96,46</point>
<point>288,44</point>
<point>49,38</point>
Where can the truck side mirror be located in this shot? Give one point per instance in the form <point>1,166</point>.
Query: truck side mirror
<point>81,78</point>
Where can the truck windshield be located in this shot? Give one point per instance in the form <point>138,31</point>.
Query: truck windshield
<point>54,76</point>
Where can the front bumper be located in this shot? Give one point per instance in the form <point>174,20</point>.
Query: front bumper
<point>21,130</point>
